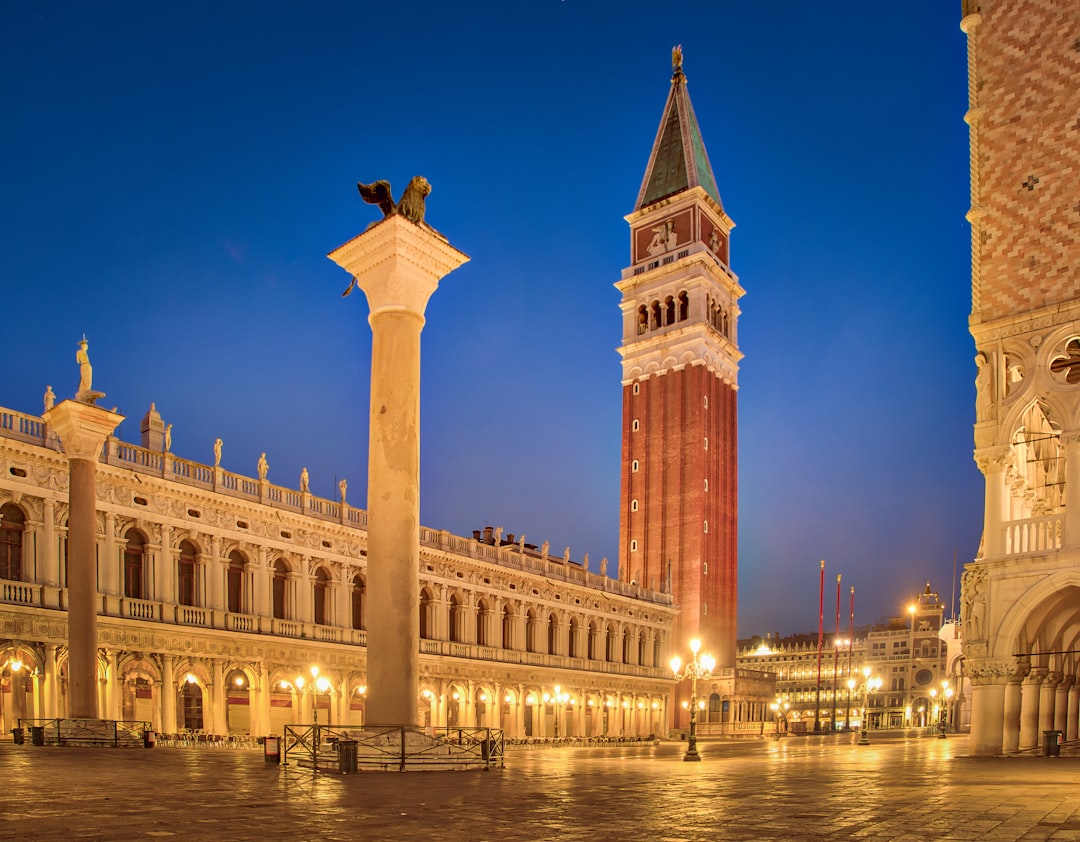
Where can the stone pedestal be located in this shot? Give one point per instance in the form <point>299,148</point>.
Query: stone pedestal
<point>83,429</point>
<point>398,265</point>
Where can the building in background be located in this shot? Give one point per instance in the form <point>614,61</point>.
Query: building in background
<point>920,682</point>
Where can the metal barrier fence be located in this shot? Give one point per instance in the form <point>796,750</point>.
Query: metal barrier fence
<point>327,748</point>
<point>85,732</point>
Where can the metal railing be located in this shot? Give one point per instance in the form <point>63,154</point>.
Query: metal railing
<point>395,747</point>
<point>87,732</point>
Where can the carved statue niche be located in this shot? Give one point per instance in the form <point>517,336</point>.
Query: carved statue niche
<point>984,388</point>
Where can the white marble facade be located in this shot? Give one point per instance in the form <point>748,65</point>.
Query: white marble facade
<point>218,590</point>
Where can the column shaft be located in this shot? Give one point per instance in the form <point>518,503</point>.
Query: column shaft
<point>82,591</point>
<point>394,518</point>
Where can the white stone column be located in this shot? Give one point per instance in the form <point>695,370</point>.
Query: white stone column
<point>109,572</point>
<point>82,428</point>
<point>112,687</point>
<point>1072,726</point>
<point>1010,736</point>
<point>1061,706</point>
<point>215,576</point>
<point>1047,698</point>
<point>991,462</point>
<point>1029,708</point>
<point>988,680</point>
<point>218,692</point>
<point>398,264</point>
<point>1071,444</point>
<point>168,694</point>
<point>165,570</point>
<point>52,684</point>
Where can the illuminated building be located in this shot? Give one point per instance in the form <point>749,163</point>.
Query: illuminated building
<point>907,653</point>
<point>1019,626</point>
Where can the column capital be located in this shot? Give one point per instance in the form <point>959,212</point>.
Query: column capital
<point>82,427</point>
<point>986,671</point>
<point>992,459</point>
<point>398,264</point>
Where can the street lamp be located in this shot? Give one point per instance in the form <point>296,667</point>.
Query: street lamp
<point>698,668</point>
<point>319,684</point>
<point>941,711</point>
<point>779,709</point>
<point>559,699</point>
<point>868,687</point>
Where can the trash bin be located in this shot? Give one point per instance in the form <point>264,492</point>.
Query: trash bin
<point>1051,743</point>
<point>37,735</point>
<point>17,736</point>
<point>346,752</point>
<point>272,749</point>
<point>149,738</point>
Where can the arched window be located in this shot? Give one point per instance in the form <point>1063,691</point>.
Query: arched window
<point>191,706</point>
<point>669,311</point>
<point>553,634</point>
<point>425,614</point>
<point>322,586</point>
<point>185,574</point>
<point>134,561</point>
<point>457,612</point>
<point>634,466</point>
<point>281,579</point>
<point>655,322</point>
<point>574,642</point>
<point>507,628</point>
<point>483,618</point>
<point>684,306</point>
<point>633,505</point>
<point>359,594</point>
<point>530,631</point>
<point>609,649</point>
<point>12,523</point>
<point>642,320</point>
<point>237,567</point>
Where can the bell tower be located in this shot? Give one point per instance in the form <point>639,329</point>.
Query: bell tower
<point>679,492</point>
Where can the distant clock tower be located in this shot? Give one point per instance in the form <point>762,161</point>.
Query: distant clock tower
<point>679,496</point>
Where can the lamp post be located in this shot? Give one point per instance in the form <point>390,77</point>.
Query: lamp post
<point>559,699</point>
<point>319,684</point>
<point>779,709</point>
<point>941,710</point>
<point>697,668</point>
<point>868,687</point>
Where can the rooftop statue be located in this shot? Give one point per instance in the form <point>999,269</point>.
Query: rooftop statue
<point>86,394</point>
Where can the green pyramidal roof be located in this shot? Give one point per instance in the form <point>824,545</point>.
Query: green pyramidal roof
<point>678,160</point>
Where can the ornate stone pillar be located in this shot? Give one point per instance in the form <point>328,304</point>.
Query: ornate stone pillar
<point>1029,707</point>
<point>50,554</point>
<point>215,577</point>
<point>165,569</point>
<point>218,692</point>
<point>109,572</point>
<point>1047,697</point>
<point>992,461</point>
<point>1072,726</point>
<point>988,678</point>
<point>168,694</point>
<point>1071,444</point>
<point>305,593</point>
<point>112,687</point>
<point>52,684</point>
<point>259,587</point>
<point>1010,737</point>
<point>398,264</point>
<point>83,429</point>
<point>1061,706</point>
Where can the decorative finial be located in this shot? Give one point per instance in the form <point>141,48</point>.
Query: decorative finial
<point>676,59</point>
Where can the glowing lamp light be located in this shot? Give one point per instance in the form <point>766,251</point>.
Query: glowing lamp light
<point>322,683</point>
<point>483,697</point>
<point>16,665</point>
<point>191,679</point>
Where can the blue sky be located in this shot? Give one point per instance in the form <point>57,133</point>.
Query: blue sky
<point>174,175</point>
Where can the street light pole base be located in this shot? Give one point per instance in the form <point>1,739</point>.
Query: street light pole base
<point>691,757</point>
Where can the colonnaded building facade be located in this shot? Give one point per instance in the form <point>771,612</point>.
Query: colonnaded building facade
<point>1020,625</point>
<point>219,591</point>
